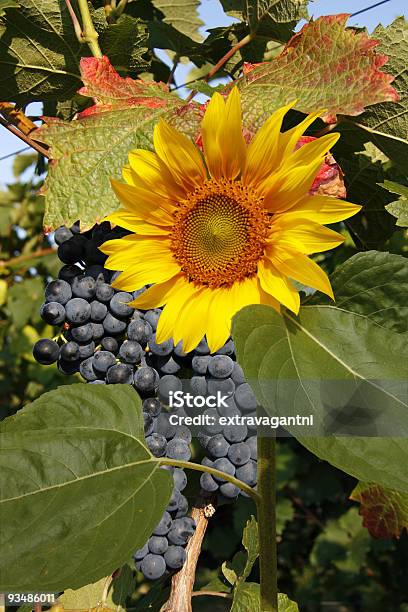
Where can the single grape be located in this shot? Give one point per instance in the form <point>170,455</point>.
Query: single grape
<point>119,304</point>
<point>212,425</point>
<point>220,366</point>
<point>103,360</point>
<point>98,273</point>
<point>69,272</point>
<point>164,427</point>
<point>199,363</point>
<point>180,532</point>
<point>252,443</point>
<point>157,545</point>
<point>202,348</point>
<point>208,483</point>
<point>68,367</point>
<point>184,433</point>
<point>62,234</point>
<point>198,385</point>
<point>247,473</point>
<point>168,385</point>
<point>179,351</point>
<point>53,313</point>
<point>168,366</point>
<point>46,351</point>
<point>235,433</point>
<point>139,330</point>
<point>152,406</point>
<point>218,446</point>
<point>227,349</point>
<point>239,453</point>
<point>109,344</point>
<point>175,557</point>
<point>229,490</point>
<point>162,349</point>
<point>153,566</point>
<point>71,251</point>
<point>238,374</point>
<point>157,444</point>
<point>164,525</point>
<point>104,292</point>
<point>84,287</point>
<point>245,398</point>
<point>152,317</point>
<point>142,552</point>
<point>178,449</point>
<point>131,351</point>
<point>82,333</point>
<point>182,508</point>
<point>86,350</point>
<point>70,351</point>
<point>174,501</point>
<point>98,331</point>
<point>180,479</point>
<point>146,379</point>
<point>224,465</point>
<point>148,424</point>
<point>58,291</point>
<point>224,386</point>
<point>78,311</point>
<point>98,311</point>
<point>86,369</point>
<point>120,373</point>
<point>112,325</point>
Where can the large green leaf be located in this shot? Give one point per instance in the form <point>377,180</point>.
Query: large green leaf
<point>39,52</point>
<point>182,15</point>
<point>387,124</point>
<point>324,66</point>
<point>375,285</point>
<point>345,370</point>
<point>79,490</point>
<point>275,17</point>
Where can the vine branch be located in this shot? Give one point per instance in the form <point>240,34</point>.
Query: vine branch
<point>244,41</point>
<point>22,258</point>
<point>86,33</point>
<point>183,582</point>
<point>29,141</point>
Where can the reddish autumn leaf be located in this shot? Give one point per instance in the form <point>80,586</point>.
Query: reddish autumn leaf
<point>325,66</point>
<point>384,511</point>
<point>110,91</point>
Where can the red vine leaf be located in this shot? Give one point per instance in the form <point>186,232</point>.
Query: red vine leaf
<point>324,65</point>
<point>110,91</point>
<point>384,511</point>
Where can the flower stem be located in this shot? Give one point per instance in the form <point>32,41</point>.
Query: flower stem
<point>204,468</point>
<point>266,506</point>
<point>89,34</point>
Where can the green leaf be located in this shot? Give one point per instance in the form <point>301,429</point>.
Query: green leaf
<point>384,511</point>
<point>80,491</point>
<point>24,300</point>
<point>22,162</point>
<point>323,48</point>
<point>247,599</point>
<point>375,285</point>
<point>182,15</point>
<point>343,543</point>
<point>399,208</point>
<point>387,124</point>
<point>6,4</point>
<point>125,43</point>
<point>251,544</point>
<point>275,17</point>
<point>39,52</point>
<point>303,365</point>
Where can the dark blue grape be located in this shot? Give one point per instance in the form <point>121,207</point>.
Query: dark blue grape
<point>70,351</point>
<point>53,313</point>
<point>103,360</point>
<point>178,449</point>
<point>153,566</point>
<point>97,331</point>
<point>68,368</point>
<point>164,525</point>
<point>131,351</point>
<point>164,427</point>
<point>78,311</point>
<point>235,433</point>
<point>120,373</point>
<point>98,311</point>
<point>183,433</point>
<point>86,350</point>
<point>182,508</point>
<point>239,453</point>
<point>72,250</point>
<point>139,330</point>
<point>46,351</point>
<point>62,234</point>
<point>104,292</point>
<point>224,465</point>
<point>200,363</point>
<point>225,386</point>
<point>110,344</point>
<point>180,479</point>
<point>162,349</point>
<point>227,349</point>
<point>229,490</point>
<point>247,473</point>
<point>213,425</point>
<point>157,444</point>
<point>152,406</point>
<point>119,304</point>
<point>168,385</point>
<point>112,325</point>
<point>208,483</point>
<point>252,443</point>
<point>82,333</point>
<point>245,398</point>
<point>238,374</point>
<point>146,379</point>
<point>58,291</point>
<point>175,557</point>
<point>174,501</point>
<point>220,366</point>
<point>83,287</point>
<point>202,348</point>
<point>86,369</point>
<point>152,317</point>
<point>148,424</point>
<point>198,385</point>
<point>168,366</point>
<point>69,272</point>
<point>141,552</point>
<point>217,446</point>
<point>157,545</point>
<point>180,532</point>
<point>98,273</point>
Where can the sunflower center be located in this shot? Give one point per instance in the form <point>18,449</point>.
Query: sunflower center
<point>220,233</point>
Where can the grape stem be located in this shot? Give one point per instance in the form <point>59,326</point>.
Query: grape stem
<point>266,507</point>
<point>187,465</point>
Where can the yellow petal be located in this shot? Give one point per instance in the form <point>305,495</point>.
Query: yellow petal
<point>172,311</point>
<point>158,294</point>
<point>191,324</point>
<point>290,138</point>
<point>287,189</point>
<point>135,278</point>
<point>133,255</point>
<point>278,285</point>
<point>322,209</point>
<point>303,235</point>
<point>316,149</point>
<point>180,155</point>
<point>300,268</point>
<point>230,137</point>
<point>262,153</point>
<point>212,119</point>
<point>145,205</point>
<point>126,219</point>
<point>267,299</point>
<point>148,171</point>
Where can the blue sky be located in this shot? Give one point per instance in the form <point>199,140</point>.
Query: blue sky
<point>212,14</point>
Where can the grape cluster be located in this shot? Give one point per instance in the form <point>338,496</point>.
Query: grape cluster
<point>109,342</point>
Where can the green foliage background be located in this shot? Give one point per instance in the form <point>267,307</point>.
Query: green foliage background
<point>327,559</point>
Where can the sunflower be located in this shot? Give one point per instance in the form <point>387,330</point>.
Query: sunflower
<point>218,230</point>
